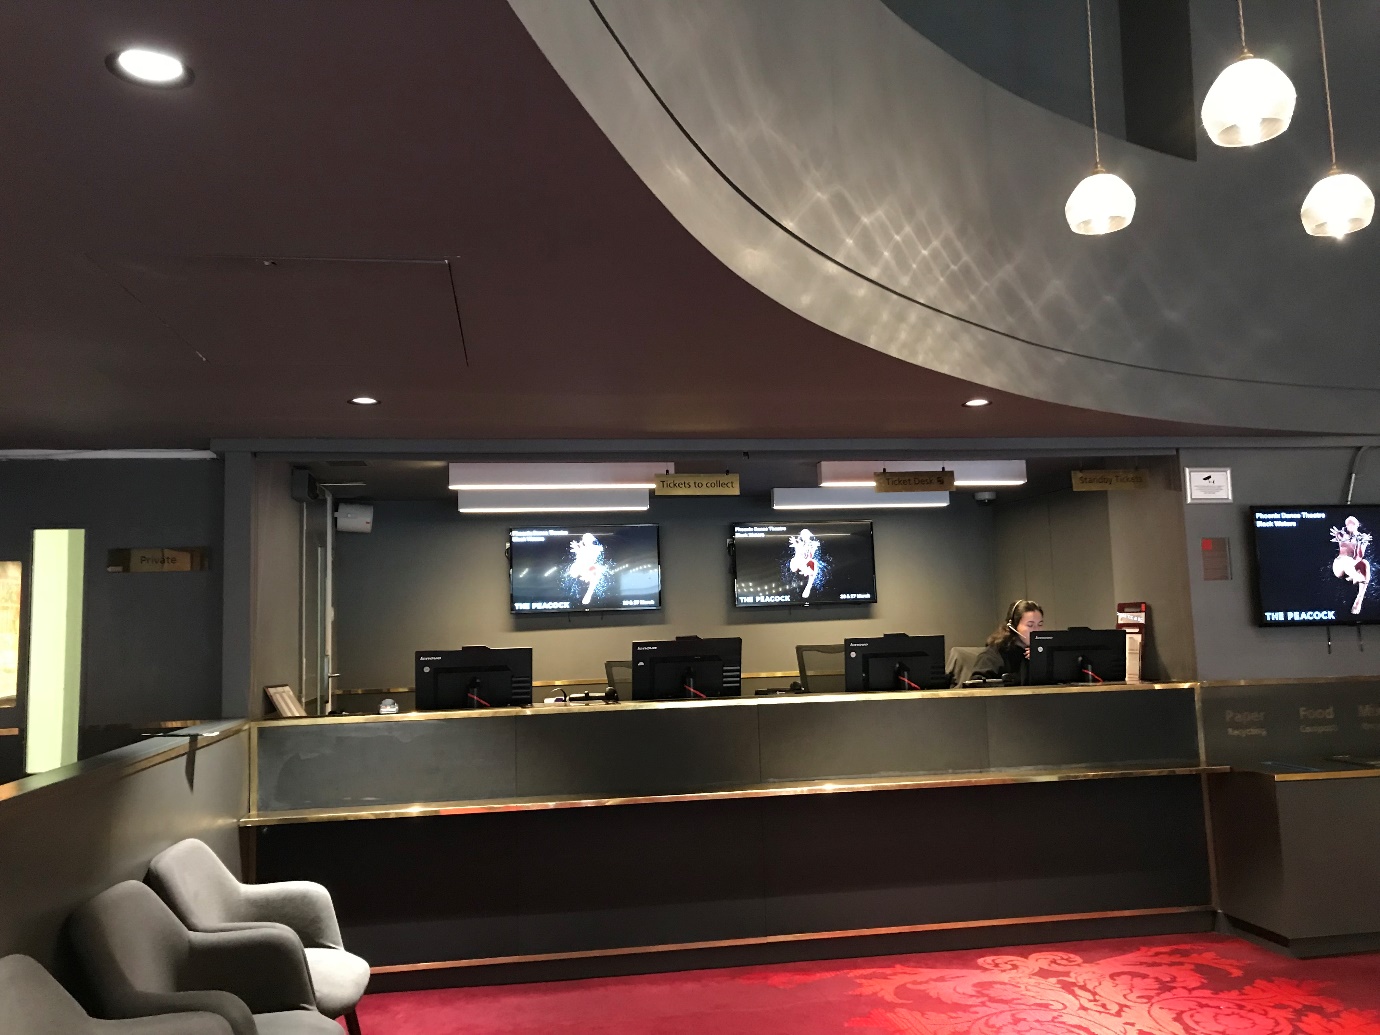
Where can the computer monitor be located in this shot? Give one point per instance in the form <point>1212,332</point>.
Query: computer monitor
<point>474,677</point>
<point>687,668</point>
<point>1076,656</point>
<point>895,661</point>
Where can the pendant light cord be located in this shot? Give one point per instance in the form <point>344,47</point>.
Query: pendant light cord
<point>1327,88</point>
<point>1092,87</point>
<point>1241,24</point>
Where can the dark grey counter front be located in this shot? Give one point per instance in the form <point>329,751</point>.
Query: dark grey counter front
<point>684,748</point>
<point>590,832</point>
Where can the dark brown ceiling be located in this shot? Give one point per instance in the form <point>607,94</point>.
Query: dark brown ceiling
<point>168,268</point>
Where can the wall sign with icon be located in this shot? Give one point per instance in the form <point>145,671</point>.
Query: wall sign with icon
<point>1208,484</point>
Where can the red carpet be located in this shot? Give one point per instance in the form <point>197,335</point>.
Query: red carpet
<point>1201,985</point>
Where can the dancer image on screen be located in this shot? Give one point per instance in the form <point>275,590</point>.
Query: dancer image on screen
<point>1351,562</point>
<point>805,560</point>
<point>587,564</point>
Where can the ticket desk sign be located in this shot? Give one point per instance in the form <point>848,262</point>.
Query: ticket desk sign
<point>697,485</point>
<point>158,559</point>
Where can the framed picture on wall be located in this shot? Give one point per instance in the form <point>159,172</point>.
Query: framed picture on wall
<point>285,702</point>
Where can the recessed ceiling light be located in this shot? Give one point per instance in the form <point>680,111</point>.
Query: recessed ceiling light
<point>978,402</point>
<point>364,400</point>
<point>149,67</point>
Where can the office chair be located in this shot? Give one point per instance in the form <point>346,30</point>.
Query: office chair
<point>619,675</point>
<point>821,667</point>
<point>962,661</point>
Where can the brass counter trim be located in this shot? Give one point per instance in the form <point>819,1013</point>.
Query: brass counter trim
<point>112,768</point>
<point>726,702</point>
<point>1343,774</point>
<point>778,939</point>
<point>850,785</point>
<point>1290,681</point>
<point>10,731</point>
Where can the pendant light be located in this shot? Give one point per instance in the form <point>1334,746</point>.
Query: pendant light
<point>1250,102</point>
<point>1339,203</point>
<point>1102,202</point>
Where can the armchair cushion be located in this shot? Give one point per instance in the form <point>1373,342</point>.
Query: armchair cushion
<point>142,960</point>
<point>33,1003</point>
<point>209,898</point>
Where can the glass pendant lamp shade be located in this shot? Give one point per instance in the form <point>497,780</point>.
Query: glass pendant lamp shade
<point>1251,101</point>
<point>1100,204</point>
<point>1338,204</point>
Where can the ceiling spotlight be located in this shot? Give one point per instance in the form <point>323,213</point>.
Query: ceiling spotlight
<point>1250,102</point>
<point>364,400</point>
<point>978,402</point>
<point>149,68</point>
<point>1102,202</point>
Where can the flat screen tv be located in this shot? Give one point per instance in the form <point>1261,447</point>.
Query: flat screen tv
<point>580,567</point>
<point>1314,565</point>
<point>779,564</point>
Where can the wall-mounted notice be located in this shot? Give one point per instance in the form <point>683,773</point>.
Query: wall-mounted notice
<point>1208,484</point>
<point>913,481</point>
<point>158,558</point>
<point>697,485</point>
<point>1111,480</point>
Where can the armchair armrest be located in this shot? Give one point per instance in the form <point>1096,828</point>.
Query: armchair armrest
<point>304,906</point>
<point>264,965</point>
<point>134,1003</point>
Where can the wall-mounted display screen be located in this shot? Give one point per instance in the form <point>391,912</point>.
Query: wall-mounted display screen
<point>818,562</point>
<point>1313,565</point>
<point>585,568</point>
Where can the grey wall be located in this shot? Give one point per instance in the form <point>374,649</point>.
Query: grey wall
<point>427,577</point>
<point>68,841</point>
<point>1147,539</point>
<point>150,642</point>
<point>1229,643</point>
<point>277,561</point>
<point>870,182</point>
<point>1037,51</point>
<point>1056,550</point>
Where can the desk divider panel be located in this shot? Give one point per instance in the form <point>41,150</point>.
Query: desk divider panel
<point>322,764</point>
<point>872,737</point>
<point>1092,728</point>
<point>1293,720</point>
<point>604,751</point>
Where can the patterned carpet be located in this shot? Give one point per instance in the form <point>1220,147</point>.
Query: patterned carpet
<point>1200,985</point>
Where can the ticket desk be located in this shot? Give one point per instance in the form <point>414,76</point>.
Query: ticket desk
<point>814,825</point>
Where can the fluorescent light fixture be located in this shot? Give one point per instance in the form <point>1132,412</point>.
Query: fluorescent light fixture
<point>149,67</point>
<point>559,501</point>
<point>499,477</point>
<point>854,499</point>
<point>55,613</point>
<point>106,454</point>
<point>968,474</point>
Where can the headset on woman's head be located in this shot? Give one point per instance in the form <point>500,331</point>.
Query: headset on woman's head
<point>1019,608</point>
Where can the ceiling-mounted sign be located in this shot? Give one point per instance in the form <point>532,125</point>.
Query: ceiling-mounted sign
<point>1208,484</point>
<point>912,481</point>
<point>158,558</point>
<point>1110,481</point>
<point>697,485</point>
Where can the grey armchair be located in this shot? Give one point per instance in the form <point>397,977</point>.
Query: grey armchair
<point>142,961</point>
<point>207,897</point>
<point>33,1003</point>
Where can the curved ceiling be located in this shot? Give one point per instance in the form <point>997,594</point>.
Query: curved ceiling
<point>860,176</point>
<point>404,200</point>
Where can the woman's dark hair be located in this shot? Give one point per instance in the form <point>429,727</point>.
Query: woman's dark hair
<point>1018,610</point>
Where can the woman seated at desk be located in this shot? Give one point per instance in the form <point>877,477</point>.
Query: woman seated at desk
<point>1007,656</point>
